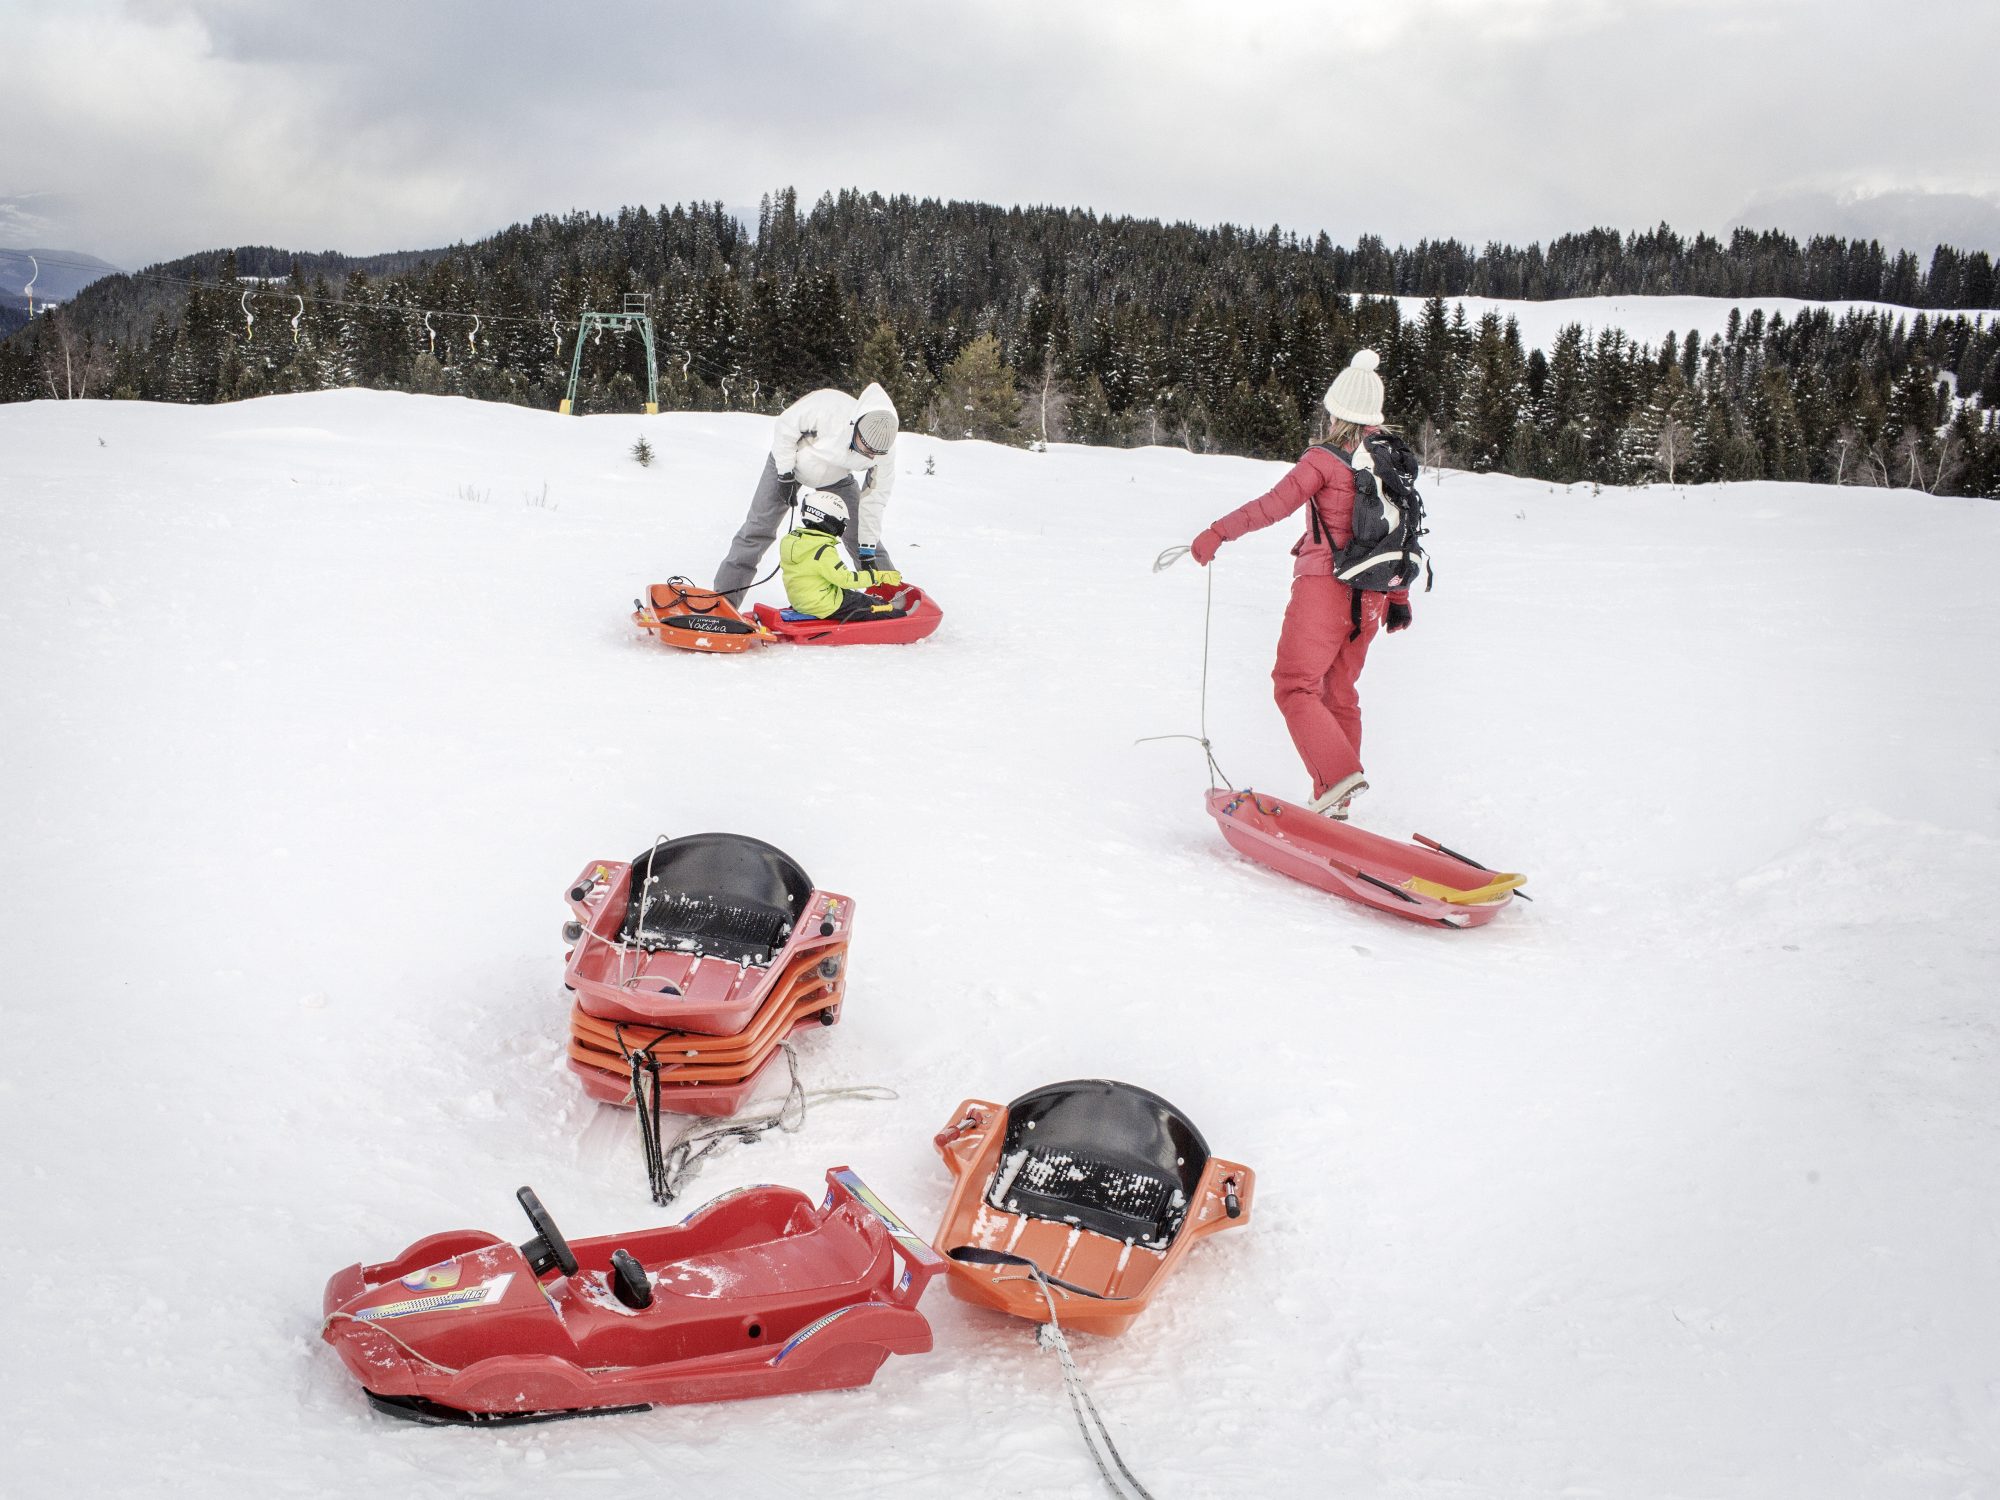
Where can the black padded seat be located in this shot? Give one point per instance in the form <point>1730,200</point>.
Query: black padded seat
<point>719,894</point>
<point>1109,1157</point>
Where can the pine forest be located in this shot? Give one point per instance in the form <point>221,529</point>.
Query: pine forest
<point>1036,325</point>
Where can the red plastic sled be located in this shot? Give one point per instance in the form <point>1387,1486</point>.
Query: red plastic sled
<point>698,958</point>
<point>922,617</point>
<point>676,613</point>
<point>757,1294</point>
<point>1420,881</point>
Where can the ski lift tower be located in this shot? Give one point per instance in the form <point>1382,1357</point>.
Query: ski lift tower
<point>634,315</point>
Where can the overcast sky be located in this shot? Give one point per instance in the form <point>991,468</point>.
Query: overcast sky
<point>144,129</point>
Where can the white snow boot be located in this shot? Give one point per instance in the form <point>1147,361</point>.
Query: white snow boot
<point>1332,803</point>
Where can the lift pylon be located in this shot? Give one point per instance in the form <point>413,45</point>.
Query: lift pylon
<point>633,315</point>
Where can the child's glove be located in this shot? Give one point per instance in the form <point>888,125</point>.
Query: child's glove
<point>1397,616</point>
<point>1203,547</point>
<point>888,575</point>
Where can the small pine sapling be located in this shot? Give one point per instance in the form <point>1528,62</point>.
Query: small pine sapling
<point>642,452</point>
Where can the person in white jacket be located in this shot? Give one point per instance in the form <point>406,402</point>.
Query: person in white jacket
<point>829,441</point>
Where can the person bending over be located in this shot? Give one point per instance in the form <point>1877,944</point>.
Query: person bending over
<point>828,441</point>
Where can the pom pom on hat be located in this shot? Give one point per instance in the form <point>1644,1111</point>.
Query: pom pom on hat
<point>1356,392</point>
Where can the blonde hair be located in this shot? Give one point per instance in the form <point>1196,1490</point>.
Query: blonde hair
<point>1345,435</point>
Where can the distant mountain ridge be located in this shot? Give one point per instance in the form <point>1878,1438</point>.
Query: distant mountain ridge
<point>125,302</point>
<point>57,275</point>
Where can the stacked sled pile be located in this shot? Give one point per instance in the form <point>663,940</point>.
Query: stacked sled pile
<point>691,965</point>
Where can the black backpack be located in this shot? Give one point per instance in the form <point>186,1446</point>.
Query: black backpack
<point>1388,547</point>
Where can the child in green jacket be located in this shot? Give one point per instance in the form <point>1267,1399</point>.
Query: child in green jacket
<point>815,582</point>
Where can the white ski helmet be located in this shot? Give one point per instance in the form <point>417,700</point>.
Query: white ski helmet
<point>875,431</point>
<point>823,511</point>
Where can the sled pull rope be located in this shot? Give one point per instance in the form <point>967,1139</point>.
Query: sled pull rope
<point>669,1167</point>
<point>1166,560</point>
<point>1049,1335</point>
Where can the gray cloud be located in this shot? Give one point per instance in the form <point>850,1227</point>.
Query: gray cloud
<point>169,125</point>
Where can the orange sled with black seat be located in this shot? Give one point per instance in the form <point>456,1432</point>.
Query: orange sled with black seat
<point>920,617</point>
<point>1421,881</point>
<point>692,963</point>
<point>676,613</point>
<point>1082,1198</point>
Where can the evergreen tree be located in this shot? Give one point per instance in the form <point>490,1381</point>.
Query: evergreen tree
<point>977,397</point>
<point>881,361</point>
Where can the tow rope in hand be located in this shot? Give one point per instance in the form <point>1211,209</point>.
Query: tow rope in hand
<point>1049,1335</point>
<point>1166,560</point>
<point>669,1166</point>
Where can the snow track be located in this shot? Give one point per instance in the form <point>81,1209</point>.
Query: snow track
<point>1676,1182</point>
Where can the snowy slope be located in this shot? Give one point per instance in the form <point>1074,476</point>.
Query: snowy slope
<point>1676,1182</point>
<point>1647,320</point>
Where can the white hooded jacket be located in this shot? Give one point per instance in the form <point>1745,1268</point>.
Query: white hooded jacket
<point>813,440</point>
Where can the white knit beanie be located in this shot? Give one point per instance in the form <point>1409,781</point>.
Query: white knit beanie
<point>876,428</point>
<point>1356,392</point>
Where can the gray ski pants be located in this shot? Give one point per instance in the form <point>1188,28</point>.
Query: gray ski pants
<point>769,509</point>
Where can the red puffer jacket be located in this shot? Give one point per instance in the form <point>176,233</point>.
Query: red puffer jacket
<point>1320,477</point>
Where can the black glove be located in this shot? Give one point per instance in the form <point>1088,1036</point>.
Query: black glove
<point>1397,616</point>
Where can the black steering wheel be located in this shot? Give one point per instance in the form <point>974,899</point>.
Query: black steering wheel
<point>548,1250</point>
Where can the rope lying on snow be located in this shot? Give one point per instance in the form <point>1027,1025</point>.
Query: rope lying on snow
<point>670,1165</point>
<point>1049,1335</point>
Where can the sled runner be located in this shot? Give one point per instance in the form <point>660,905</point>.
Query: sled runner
<point>676,613</point>
<point>762,1292</point>
<point>692,963</point>
<point>1100,1187</point>
<point>1421,881</point>
<point>921,617</point>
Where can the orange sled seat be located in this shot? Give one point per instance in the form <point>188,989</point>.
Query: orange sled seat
<point>1084,1195</point>
<point>676,613</point>
<point>692,963</point>
<point>920,617</point>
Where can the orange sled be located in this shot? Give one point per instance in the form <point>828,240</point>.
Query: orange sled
<point>691,965</point>
<point>1420,882</point>
<point>920,617</point>
<point>676,613</point>
<point>1084,1195</point>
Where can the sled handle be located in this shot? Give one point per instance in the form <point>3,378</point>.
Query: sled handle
<point>591,885</point>
<point>960,1142</point>
<point>1226,1192</point>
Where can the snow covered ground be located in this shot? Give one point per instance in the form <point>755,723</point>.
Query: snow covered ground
<point>1677,1182</point>
<point>1647,320</point>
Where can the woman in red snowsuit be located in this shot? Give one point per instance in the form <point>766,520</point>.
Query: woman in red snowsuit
<point>1324,640</point>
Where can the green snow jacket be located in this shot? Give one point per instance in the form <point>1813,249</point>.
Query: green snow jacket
<point>815,581</point>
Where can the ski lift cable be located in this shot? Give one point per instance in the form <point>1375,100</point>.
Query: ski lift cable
<point>689,359</point>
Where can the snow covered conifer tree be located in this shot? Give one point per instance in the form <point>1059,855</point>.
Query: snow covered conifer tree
<point>977,395</point>
<point>881,361</point>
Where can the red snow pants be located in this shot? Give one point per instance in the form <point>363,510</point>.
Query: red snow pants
<point>1314,676</point>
